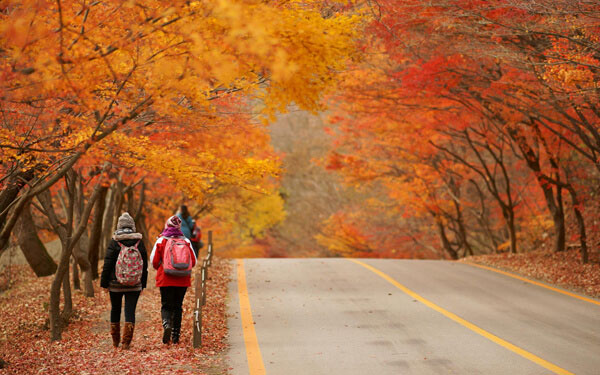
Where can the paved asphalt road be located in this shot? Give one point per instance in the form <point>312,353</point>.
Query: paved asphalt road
<point>334,316</point>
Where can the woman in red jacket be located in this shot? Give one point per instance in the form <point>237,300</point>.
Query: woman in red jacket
<point>173,283</point>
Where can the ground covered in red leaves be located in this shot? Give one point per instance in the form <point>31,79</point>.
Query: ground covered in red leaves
<point>86,347</point>
<point>563,269</point>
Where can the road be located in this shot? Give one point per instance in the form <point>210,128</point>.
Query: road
<point>336,316</point>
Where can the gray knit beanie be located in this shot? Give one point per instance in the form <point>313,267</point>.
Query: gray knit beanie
<point>126,221</point>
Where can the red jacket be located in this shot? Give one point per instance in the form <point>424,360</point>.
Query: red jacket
<point>156,259</point>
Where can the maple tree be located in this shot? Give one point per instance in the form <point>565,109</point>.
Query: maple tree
<point>124,82</point>
<point>93,69</point>
<point>477,99</point>
<point>32,246</point>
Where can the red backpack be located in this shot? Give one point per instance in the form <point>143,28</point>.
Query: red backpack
<point>196,234</point>
<point>177,257</point>
<point>129,265</point>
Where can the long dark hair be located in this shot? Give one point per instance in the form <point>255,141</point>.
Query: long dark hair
<point>184,211</point>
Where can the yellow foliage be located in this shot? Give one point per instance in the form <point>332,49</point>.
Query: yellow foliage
<point>160,87</point>
<point>262,214</point>
<point>109,62</point>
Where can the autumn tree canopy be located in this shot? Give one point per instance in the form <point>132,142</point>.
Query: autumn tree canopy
<point>111,105</point>
<point>75,73</point>
<point>478,118</point>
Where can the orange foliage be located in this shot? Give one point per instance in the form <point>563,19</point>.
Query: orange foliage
<point>171,91</point>
<point>482,129</point>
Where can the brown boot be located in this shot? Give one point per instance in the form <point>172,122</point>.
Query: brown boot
<point>127,334</point>
<point>115,332</point>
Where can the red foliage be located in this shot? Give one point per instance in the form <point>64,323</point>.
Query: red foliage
<point>466,117</point>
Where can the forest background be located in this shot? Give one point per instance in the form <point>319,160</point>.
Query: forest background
<point>468,127</point>
<point>401,129</point>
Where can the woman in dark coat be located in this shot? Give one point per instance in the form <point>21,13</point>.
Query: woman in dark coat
<point>124,237</point>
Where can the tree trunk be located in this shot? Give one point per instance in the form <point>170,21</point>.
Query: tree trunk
<point>81,260</point>
<point>96,232</point>
<point>512,233</point>
<point>32,247</point>
<point>67,311</point>
<point>462,230</point>
<point>107,221</point>
<point>55,321</point>
<point>119,199</point>
<point>483,219</point>
<point>445,242</point>
<point>554,204</point>
<point>75,270</point>
<point>582,235</point>
<point>8,194</point>
<point>6,225</point>
<point>56,324</point>
<point>580,224</point>
<point>69,233</point>
<point>143,229</point>
<point>140,204</point>
<point>558,217</point>
<point>140,218</point>
<point>560,230</point>
<point>80,254</point>
<point>131,206</point>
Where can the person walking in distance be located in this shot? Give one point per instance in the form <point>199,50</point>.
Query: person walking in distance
<point>188,227</point>
<point>124,274</point>
<point>173,257</point>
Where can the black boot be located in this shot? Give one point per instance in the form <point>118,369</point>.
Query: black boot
<point>167,327</point>
<point>176,327</point>
<point>175,335</point>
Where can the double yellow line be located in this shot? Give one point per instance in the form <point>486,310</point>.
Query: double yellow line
<point>254,357</point>
<point>523,353</point>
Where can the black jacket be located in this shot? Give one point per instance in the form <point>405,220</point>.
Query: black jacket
<point>110,260</point>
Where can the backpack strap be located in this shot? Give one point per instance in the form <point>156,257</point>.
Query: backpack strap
<point>135,246</point>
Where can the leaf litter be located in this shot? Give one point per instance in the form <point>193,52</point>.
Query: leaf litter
<point>86,346</point>
<point>563,269</point>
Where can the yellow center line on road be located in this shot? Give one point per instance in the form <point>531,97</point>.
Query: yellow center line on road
<point>534,283</point>
<point>523,353</point>
<point>255,362</point>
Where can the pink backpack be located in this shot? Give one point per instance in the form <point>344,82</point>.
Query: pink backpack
<point>177,257</point>
<point>129,265</point>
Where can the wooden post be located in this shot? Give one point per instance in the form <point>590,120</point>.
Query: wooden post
<point>210,248</point>
<point>199,291</point>
<point>200,294</point>
<point>203,285</point>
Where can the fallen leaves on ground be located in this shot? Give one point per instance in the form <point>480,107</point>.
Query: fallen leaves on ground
<point>559,268</point>
<point>86,346</point>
